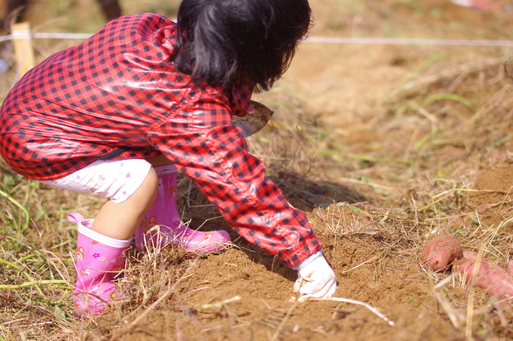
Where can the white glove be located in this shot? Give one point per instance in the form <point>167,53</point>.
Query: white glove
<point>315,278</point>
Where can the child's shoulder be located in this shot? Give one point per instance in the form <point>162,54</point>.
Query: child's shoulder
<point>139,22</point>
<point>132,33</point>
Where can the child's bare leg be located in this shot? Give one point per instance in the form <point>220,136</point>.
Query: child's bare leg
<point>120,220</point>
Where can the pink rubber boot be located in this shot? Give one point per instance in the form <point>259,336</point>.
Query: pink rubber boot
<point>99,261</point>
<point>162,224</point>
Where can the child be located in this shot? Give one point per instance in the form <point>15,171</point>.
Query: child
<point>110,115</point>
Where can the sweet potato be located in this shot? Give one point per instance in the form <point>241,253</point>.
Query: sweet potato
<point>489,276</point>
<point>440,252</point>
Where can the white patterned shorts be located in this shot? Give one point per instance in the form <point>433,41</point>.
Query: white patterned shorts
<point>116,180</point>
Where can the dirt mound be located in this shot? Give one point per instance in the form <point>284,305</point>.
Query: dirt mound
<point>243,293</point>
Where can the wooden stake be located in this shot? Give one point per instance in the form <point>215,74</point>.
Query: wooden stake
<point>23,48</point>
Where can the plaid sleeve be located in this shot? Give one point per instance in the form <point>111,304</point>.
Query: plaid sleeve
<point>241,96</point>
<point>207,148</point>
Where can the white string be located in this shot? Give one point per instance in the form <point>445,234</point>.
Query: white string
<point>329,40</point>
<point>403,41</point>
<point>39,35</point>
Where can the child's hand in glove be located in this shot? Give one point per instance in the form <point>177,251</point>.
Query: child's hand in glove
<point>315,278</point>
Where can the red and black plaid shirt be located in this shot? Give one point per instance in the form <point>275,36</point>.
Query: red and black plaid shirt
<point>117,96</point>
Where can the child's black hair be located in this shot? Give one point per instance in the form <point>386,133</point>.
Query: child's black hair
<point>224,42</point>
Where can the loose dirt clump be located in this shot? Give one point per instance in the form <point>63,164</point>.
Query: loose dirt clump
<point>491,196</point>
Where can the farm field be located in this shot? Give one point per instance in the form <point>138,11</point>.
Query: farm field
<point>385,146</point>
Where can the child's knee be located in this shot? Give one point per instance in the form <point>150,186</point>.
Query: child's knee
<point>151,184</point>
<point>144,197</point>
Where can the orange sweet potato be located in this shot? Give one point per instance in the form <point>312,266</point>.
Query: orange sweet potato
<point>489,276</point>
<point>440,252</point>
